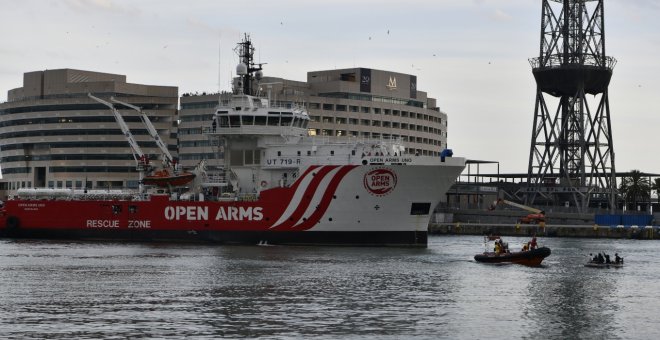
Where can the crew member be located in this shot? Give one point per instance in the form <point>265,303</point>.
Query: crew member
<point>617,258</point>
<point>532,243</point>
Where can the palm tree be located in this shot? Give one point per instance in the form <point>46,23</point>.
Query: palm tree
<point>635,188</point>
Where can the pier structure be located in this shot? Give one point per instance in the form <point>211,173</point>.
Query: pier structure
<point>571,157</point>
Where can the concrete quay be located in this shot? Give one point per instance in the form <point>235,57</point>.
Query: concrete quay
<point>548,230</point>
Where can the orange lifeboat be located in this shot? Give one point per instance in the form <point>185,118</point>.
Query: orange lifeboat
<point>164,179</point>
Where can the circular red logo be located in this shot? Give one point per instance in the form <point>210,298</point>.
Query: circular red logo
<point>380,182</point>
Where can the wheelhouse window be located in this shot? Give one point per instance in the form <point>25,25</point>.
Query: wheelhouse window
<point>234,121</point>
<point>260,120</point>
<point>248,120</point>
<point>286,121</point>
<point>273,121</point>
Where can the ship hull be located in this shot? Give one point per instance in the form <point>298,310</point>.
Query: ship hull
<point>334,205</point>
<point>330,238</point>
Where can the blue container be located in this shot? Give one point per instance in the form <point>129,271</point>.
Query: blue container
<point>639,220</point>
<point>607,219</point>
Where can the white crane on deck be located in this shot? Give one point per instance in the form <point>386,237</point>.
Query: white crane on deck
<point>168,160</point>
<point>140,157</point>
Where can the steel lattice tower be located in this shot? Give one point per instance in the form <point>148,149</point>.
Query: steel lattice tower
<point>571,156</point>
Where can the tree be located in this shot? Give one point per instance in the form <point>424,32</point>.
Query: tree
<point>635,188</point>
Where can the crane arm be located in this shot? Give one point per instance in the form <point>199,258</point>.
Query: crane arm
<point>521,206</point>
<point>137,151</point>
<point>151,129</point>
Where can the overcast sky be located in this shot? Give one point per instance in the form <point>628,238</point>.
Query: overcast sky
<point>472,55</point>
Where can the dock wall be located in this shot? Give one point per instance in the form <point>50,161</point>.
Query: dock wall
<point>586,231</point>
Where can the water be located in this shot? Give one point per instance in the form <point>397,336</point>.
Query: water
<point>112,290</point>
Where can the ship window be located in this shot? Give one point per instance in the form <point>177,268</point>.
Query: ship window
<point>260,120</point>
<point>309,153</point>
<point>248,120</point>
<point>286,121</point>
<point>279,153</point>
<point>132,209</point>
<point>116,209</point>
<point>332,152</point>
<point>234,121</point>
<point>236,157</point>
<point>273,113</point>
<point>249,157</point>
<point>304,125</point>
<point>222,112</point>
<point>420,208</point>
<point>224,121</point>
<point>299,153</point>
<point>273,121</point>
<point>257,157</point>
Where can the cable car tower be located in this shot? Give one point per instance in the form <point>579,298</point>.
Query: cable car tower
<point>571,157</point>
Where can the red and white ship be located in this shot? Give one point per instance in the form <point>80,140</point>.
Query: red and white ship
<point>280,186</point>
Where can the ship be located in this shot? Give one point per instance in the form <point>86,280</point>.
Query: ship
<point>277,185</point>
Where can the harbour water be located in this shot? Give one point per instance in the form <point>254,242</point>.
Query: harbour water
<point>114,290</point>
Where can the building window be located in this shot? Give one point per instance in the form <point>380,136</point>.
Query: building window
<point>328,107</point>
<point>339,107</point>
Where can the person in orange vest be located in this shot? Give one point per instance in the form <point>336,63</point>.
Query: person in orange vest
<point>532,243</point>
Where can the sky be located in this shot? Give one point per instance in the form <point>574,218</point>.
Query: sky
<point>472,55</point>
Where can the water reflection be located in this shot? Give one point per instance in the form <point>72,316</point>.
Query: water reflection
<point>98,290</point>
<point>572,301</point>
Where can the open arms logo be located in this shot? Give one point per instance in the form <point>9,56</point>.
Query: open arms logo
<point>380,182</point>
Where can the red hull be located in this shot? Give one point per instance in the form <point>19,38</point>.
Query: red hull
<point>221,221</point>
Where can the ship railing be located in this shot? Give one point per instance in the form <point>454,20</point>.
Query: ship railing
<point>321,140</point>
<point>80,194</point>
<point>252,129</point>
<point>242,197</point>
